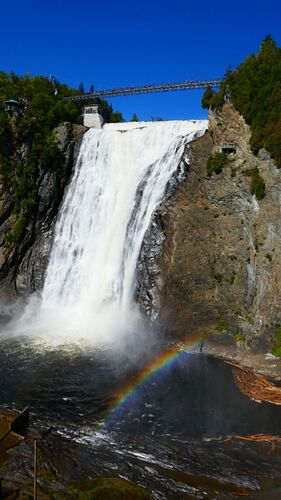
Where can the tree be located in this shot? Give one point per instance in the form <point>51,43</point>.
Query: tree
<point>81,88</point>
<point>116,117</point>
<point>134,118</point>
<point>91,89</point>
<point>34,128</point>
<point>207,98</point>
<point>256,93</point>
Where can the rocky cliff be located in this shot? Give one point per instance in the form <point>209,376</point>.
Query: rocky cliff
<point>218,272</point>
<point>23,263</point>
<point>209,264</point>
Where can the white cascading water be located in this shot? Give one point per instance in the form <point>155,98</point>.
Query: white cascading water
<point>119,180</point>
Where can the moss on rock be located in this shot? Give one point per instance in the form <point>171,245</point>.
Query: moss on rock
<point>109,488</point>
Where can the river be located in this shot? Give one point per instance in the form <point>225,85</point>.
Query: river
<point>170,433</point>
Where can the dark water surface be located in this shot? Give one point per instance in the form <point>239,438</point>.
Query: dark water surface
<point>195,398</point>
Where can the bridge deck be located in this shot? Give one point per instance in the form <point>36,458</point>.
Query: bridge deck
<point>162,87</point>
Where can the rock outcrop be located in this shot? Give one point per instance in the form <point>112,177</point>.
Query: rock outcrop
<point>23,264</point>
<point>219,269</point>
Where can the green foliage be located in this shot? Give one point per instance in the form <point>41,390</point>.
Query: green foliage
<point>257,184</point>
<point>207,97</point>
<point>106,110</point>
<point>239,337</point>
<point>216,163</point>
<point>18,232</point>
<point>232,277</point>
<point>109,488</point>
<point>4,125</point>
<point>272,139</point>
<point>212,99</point>
<point>134,118</point>
<point>116,117</point>
<point>81,88</point>
<point>221,327</point>
<point>5,134</point>
<point>276,350</point>
<point>5,169</point>
<point>256,92</point>
<point>51,156</point>
<point>61,112</point>
<point>33,130</point>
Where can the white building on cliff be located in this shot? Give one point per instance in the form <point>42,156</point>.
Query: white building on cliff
<point>91,116</point>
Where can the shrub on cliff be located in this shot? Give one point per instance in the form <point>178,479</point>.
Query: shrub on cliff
<point>216,163</point>
<point>255,91</point>
<point>6,146</point>
<point>5,134</point>
<point>276,350</point>
<point>257,184</point>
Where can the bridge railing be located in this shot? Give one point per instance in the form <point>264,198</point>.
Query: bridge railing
<point>162,87</point>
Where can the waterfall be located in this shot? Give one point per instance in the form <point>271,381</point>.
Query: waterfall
<point>120,178</point>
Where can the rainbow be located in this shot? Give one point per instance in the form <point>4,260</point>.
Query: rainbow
<point>166,358</point>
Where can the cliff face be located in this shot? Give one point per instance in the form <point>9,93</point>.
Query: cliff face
<point>210,260</point>
<point>23,264</point>
<point>219,270</point>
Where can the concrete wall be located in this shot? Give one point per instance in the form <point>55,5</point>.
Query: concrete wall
<point>94,120</point>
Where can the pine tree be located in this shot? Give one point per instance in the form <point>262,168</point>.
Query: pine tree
<point>255,92</point>
<point>81,88</point>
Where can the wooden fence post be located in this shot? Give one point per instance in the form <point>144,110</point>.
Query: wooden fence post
<point>35,470</point>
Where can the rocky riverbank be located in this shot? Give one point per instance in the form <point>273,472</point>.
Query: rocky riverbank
<point>166,468</point>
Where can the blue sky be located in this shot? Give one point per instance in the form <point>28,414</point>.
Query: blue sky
<point>123,43</point>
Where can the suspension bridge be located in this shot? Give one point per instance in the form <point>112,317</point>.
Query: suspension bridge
<point>162,87</point>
